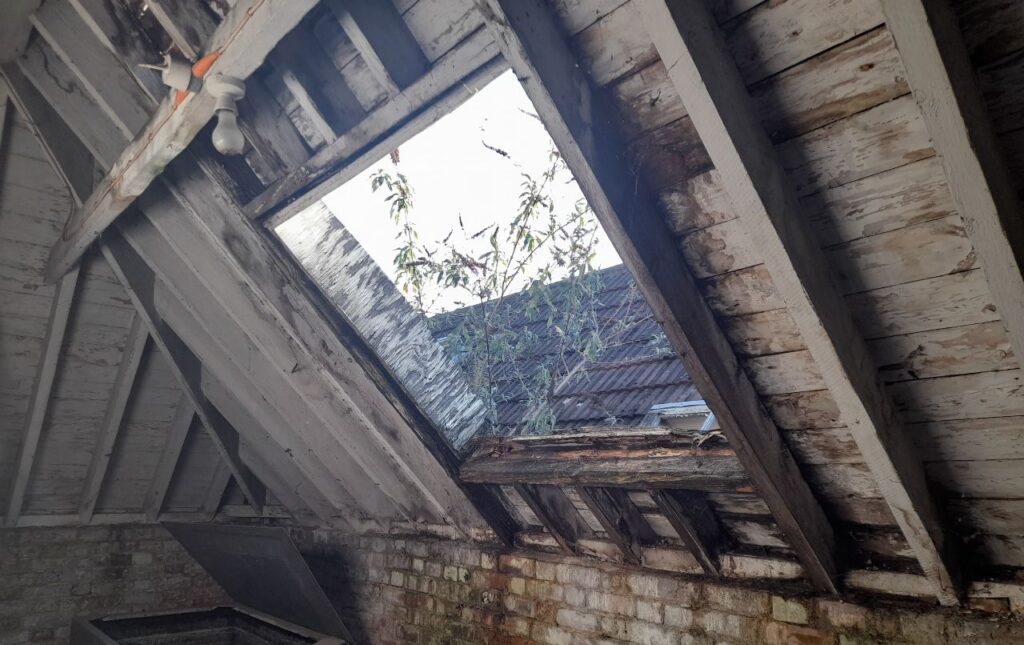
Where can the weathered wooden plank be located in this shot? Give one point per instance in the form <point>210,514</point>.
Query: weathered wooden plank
<point>947,94</point>
<point>243,40</point>
<point>113,418</point>
<point>715,95</point>
<point>139,280</point>
<point>1000,478</point>
<point>692,518</point>
<point>177,433</point>
<point>621,520</point>
<point>531,42</point>
<point>187,24</point>
<point>60,312</point>
<point>981,395</point>
<point>113,24</point>
<point>451,80</point>
<point>557,514</point>
<point>217,490</point>
<point>626,461</point>
<point>971,439</point>
<point>382,38</point>
<point>99,69</point>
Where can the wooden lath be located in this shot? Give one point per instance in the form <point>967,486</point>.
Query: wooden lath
<point>558,515</point>
<point>692,518</point>
<point>620,519</point>
<point>580,121</point>
<point>706,78</point>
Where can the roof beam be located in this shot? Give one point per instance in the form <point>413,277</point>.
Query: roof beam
<point>692,518</point>
<point>56,326</point>
<point>705,76</point>
<point>581,122</point>
<point>245,37</point>
<point>113,418</point>
<point>943,81</point>
<point>558,515</point>
<point>138,280</point>
<point>621,520</point>
<point>184,414</point>
<point>72,162</point>
<point>382,38</point>
<point>218,489</point>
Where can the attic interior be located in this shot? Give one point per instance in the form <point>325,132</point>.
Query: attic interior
<point>222,422</point>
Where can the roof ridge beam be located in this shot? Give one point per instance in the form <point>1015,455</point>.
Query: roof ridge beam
<point>708,81</point>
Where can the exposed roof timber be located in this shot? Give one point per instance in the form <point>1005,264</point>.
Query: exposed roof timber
<point>621,520</point>
<point>382,38</point>
<point>580,122</point>
<point>277,484</point>
<point>56,327</point>
<point>245,37</point>
<point>452,79</point>
<point>73,163</point>
<point>14,30</point>
<point>110,427</point>
<point>692,518</point>
<point>184,415</point>
<point>69,158</point>
<point>186,23</point>
<point>122,99</point>
<point>558,515</point>
<point>943,81</point>
<point>706,78</point>
<point>138,280</point>
<point>218,489</point>
<point>114,26</point>
<point>631,459</point>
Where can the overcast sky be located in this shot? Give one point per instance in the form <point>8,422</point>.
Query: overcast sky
<point>452,173</point>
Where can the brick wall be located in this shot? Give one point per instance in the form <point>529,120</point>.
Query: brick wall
<point>49,575</point>
<point>442,592</point>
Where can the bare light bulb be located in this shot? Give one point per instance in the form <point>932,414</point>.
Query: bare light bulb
<point>227,138</point>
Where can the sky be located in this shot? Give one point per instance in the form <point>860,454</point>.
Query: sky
<point>453,174</point>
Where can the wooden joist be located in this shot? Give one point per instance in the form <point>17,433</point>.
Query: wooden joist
<point>621,520</point>
<point>138,280</point>
<point>113,418</point>
<point>245,37</point>
<point>692,518</point>
<point>705,76</point>
<point>610,458</point>
<point>558,515</point>
<point>177,433</point>
<point>943,82</point>
<point>382,38</point>
<point>452,80</point>
<point>580,121</point>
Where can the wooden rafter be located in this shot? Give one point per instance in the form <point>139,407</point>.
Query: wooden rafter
<point>250,30</point>
<point>138,280</point>
<point>177,433</point>
<point>706,78</point>
<point>581,122</point>
<point>382,38</point>
<point>218,489</point>
<point>113,418</point>
<point>74,165</point>
<point>692,518</point>
<point>558,515</point>
<point>621,520</point>
<point>452,80</point>
<point>943,81</point>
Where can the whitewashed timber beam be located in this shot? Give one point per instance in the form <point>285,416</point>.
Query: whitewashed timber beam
<point>581,122</point>
<point>705,76</point>
<point>177,433</point>
<point>240,44</point>
<point>113,418</point>
<point>138,280</point>
<point>943,82</point>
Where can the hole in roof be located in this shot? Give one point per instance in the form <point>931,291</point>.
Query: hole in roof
<point>482,228</point>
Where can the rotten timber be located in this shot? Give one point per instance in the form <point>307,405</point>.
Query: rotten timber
<point>621,520</point>
<point>692,518</point>
<point>250,30</point>
<point>558,515</point>
<point>707,79</point>
<point>580,121</point>
<point>609,459</point>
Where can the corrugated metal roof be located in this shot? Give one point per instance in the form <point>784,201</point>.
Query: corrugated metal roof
<point>634,370</point>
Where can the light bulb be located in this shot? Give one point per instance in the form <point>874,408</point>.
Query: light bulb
<point>227,138</point>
